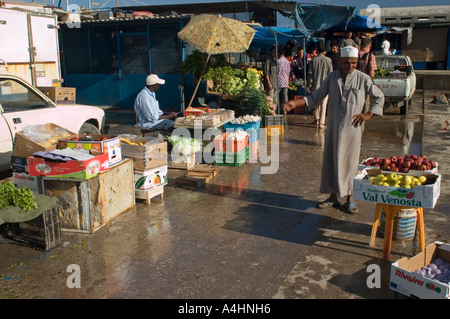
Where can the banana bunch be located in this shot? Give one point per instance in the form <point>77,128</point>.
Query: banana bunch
<point>124,140</point>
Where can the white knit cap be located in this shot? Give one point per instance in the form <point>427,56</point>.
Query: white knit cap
<point>154,79</point>
<point>349,52</point>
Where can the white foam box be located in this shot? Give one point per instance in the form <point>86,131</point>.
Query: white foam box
<point>151,178</point>
<point>406,281</point>
<point>424,196</point>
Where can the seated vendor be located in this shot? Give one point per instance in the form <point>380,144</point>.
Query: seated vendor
<point>149,115</point>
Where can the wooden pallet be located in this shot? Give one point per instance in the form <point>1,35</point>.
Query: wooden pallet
<point>198,176</point>
<point>149,194</point>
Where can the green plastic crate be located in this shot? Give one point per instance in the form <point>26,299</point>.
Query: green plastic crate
<point>231,158</point>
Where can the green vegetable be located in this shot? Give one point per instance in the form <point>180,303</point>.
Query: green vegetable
<point>253,101</point>
<point>381,72</point>
<point>21,197</point>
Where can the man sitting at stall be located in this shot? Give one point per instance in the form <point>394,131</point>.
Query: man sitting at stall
<point>149,115</point>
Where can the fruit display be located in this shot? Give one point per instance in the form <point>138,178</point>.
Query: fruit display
<point>438,269</point>
<point>402,164</point>
<point>12,196</point>
<point>45,135</point>
<point>398,180</point>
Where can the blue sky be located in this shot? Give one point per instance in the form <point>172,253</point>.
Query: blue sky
<point>359,4</point>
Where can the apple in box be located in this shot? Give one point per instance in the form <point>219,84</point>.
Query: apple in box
<point>95,144</point>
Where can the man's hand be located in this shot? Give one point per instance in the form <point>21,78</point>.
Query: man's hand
<point>289,106</point>
<point>358,119</point>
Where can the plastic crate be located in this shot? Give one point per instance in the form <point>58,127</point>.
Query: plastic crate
<point>231,158</point>
<point>195,111</point>
<point>221,144</point>
<point>275,130</point>
<point>42,233</point>
<point>274,120</point>
<point>252,128</point>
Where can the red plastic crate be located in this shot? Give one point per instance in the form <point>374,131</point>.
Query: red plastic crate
<point>297,97</point>
<point>221,144</point>
<point>194,111</point>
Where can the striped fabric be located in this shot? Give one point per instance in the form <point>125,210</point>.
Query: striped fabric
<point>284,70</point>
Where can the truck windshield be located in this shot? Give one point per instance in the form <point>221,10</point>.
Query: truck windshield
<point>14,96</point>
<point>388,63</point>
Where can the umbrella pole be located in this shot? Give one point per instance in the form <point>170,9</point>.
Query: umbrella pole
<point>199,80</point>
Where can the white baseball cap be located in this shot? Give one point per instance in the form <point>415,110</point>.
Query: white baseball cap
<point>153,79</point>
<point>349,52</point>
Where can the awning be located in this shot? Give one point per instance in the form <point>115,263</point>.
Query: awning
<point>268,35</point>
<point>358,23</point>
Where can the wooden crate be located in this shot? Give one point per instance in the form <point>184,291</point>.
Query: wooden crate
<point>87,205</point>
<point>150,193</point>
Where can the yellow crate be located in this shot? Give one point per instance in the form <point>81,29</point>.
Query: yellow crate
<point>275,130</point>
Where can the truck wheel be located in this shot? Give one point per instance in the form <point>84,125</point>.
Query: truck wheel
<point>88,128</point>
<point>405,107</point>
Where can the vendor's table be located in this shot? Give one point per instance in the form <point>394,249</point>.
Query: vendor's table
<point>391,211</point>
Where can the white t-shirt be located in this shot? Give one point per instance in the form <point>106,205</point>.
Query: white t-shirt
<point>386,46</point>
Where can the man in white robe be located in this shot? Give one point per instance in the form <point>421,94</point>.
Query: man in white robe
<point>347,89</point>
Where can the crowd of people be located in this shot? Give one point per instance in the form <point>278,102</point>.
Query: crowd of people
<point>307,70</point>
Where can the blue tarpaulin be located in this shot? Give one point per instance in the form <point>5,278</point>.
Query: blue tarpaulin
<point>266,35</point>
<point>358,23</point>
<point>311,20</point>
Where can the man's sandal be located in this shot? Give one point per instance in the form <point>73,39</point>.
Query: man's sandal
<point>351,208</point>
<point>328,203</point>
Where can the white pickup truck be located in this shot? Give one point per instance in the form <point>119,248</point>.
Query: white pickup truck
<point>22,104</point>
<point>399,81</point>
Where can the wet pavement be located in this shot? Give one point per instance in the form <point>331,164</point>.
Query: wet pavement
<point>244,235</point>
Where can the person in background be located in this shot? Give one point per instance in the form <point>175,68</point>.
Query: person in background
<point>347,40</point>
<point>149,115</point>
<point>297,65</point>
<point>357,39</point>
<point>318,70</point>
<point>333,54</point>
<point>284,71</point>
<point>271,76</point>
<point>347,89</point>
<point>367,62</point>
<point>386,46</point>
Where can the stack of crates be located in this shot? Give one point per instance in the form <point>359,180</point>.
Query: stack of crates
<point>252,128</point>
<point>230,152</point>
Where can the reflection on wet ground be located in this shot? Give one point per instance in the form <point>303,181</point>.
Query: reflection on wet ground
<point>244,235</point>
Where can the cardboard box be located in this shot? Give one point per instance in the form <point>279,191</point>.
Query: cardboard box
<point>74,169</point>
<point>111,146</point>
<point>424,196</point>
<point>406,281</point>
<point>60,95</point>
<point>19,164</point>
<point>24,146</point>
<point>34,183</point>
<point>151,178</point>
<point>182,161</point>
<point>411,171</point>
<point>146,156</point>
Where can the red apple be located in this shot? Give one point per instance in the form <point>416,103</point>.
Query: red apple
<point>386,167</point>
<point>407,164</point>
<point>423,167</point>
<point>394,159</point>
<point>433,164</point>
<point>395,169</point>
<point>393,165</point>
<point>386,161</point>
<point>407,156</point>
<point>405,170</point>
<point>414,156</point>
<point>400,161</point>
<point>429,166</point>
